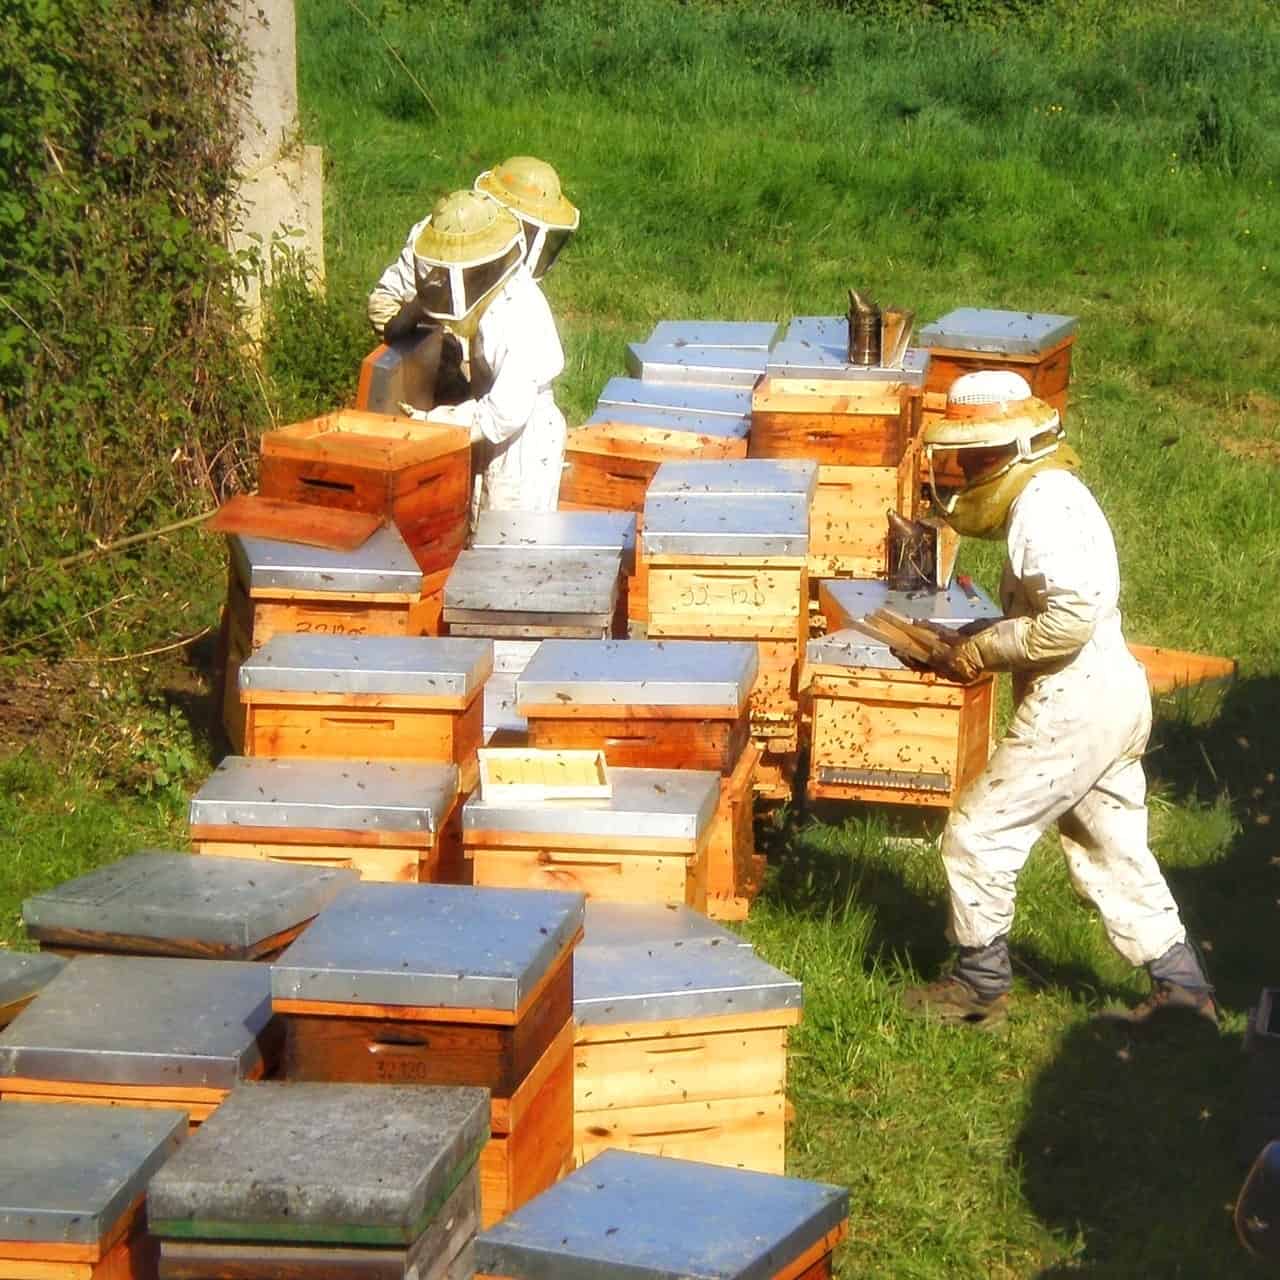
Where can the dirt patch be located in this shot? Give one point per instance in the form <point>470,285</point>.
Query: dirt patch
<point>1254,450</point>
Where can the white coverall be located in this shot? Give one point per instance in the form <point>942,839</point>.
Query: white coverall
<point>516,341</point>
<point>1073,754</point>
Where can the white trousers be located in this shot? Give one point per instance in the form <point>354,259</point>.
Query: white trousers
<point>1073,756</point>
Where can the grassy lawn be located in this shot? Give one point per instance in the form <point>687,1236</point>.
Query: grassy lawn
<point>753,161</point>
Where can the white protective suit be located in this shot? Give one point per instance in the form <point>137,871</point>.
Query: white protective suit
<point>1073,754</point>
<point>516,342</point>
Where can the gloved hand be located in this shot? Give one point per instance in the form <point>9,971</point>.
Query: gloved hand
<point>407,410</point>
<point>963,663</point>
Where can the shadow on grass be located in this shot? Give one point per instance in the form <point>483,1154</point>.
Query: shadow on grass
<point>1196,757</point>
<point>1127,1128</point>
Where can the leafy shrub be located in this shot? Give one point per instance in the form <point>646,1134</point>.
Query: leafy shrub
<point>124,387</point>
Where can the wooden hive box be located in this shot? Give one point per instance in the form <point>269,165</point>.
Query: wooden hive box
<point>637,426</point>
<point>524,593</point>
<point>882,733</point>
<point>388,821</point>
<point>406,698</point>
<point>22,977</point>
<point>680,1042</point>
<point>1037,346</point>
<point>325,1182</point>
<point>284,588</point>
<point>142,1031</point>
<point>171,904</point>
<point>565,531</point>
<point>72,1185</point>
<point>665,704</point>
<point>653,1219</point>
<point>443,984</point>
<point>727,550</point>
<point>416,474</point>
<point>865,436</point>
<point>646,843</point>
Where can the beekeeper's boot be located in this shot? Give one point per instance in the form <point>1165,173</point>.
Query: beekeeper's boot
<point>975,993</point>
<point>1179,985</point>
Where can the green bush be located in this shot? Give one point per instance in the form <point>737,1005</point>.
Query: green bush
<point>124,387</point>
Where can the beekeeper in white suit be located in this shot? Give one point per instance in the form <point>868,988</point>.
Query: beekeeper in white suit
<point>471,265</point>
<point>999,468</point>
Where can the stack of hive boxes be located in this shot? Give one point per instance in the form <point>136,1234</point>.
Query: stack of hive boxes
<point>447,985</point>
<point>726,545</point>
<point>660,705</point>
<point>681,1040</point>
<point>689,397</point>
<point>414,476</point>
<point>862,426</point>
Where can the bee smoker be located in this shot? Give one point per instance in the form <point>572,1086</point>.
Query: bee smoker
<point>864,331</point>
<point>915,554</point>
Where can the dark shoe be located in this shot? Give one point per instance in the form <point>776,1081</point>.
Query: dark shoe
<point>952,1001</point>
<point>1167,999</point>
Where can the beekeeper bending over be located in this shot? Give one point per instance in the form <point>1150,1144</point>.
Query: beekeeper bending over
<point>470,266</point>
<point>999,468</point>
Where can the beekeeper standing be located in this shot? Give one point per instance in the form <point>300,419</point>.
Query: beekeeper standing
<point>471,266</point>
<point>998,467</point>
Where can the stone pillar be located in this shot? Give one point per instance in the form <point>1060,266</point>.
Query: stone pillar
<point>281,179</point>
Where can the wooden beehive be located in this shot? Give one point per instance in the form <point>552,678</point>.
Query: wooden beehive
<point>727,552</point>
<point>637,426</point>
<point>282,588</point>
<point>75,1179</point>
<point>882,733</point>
<point>969,339</point>
<point>646,843</point>
<point>386,820</point>
<point>669,704</point>
<point>325,1182</point>
<point>446,985</point>
<point>680,1041</point>
<point>409,698</point>
<point>416,474</point>
<point>142,1031</point>
<point>682,1218</point>
<point>865,435</point>
<point>171,904</point>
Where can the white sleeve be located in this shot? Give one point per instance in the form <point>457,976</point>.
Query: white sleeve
<point>396,286</point>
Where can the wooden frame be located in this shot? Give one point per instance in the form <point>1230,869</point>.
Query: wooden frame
<point>533,775</point>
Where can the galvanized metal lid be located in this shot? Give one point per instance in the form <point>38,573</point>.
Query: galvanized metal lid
<point>643,673</point>
<point>623,924</point>
<point>734,477</point>
<point>70,1173</point>
<point>673,421</point>
<point>667,804</point>
<point>847,600</point>
<point>227,902</point>
<point>143,1020</point>
<point>659,981</point>
<point>748,335</point>
<point>1000,332</point>
<point>751,525</point>
<point>851,649</point>
<point>811,360</point>
<point>22,974</point>
<point>326,795</point>
<point>560,531</point>
<point>359,1164</point>
<point>431,946</point>
<point>704,366</point>
<point>533,580</point>
<point>732,402</point>
<point>417,666</point>
<point>651,1218</point>
<point>383,565</point>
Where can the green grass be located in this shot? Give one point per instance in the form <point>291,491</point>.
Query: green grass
<point>752,161</point>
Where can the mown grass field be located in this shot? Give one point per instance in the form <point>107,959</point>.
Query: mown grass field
<point>753,161</point>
